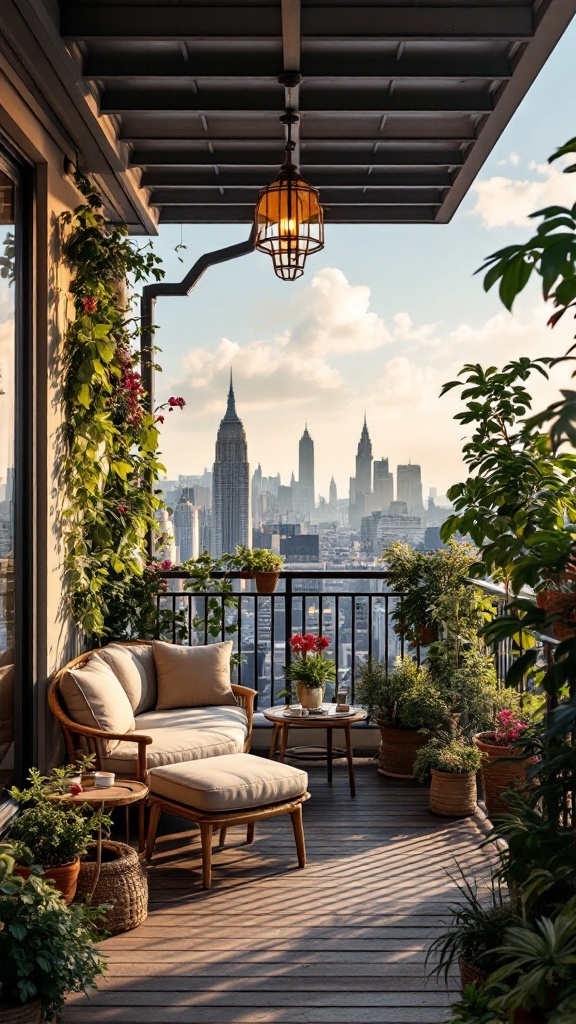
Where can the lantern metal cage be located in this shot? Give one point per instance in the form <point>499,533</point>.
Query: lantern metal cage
<point>289,219</point>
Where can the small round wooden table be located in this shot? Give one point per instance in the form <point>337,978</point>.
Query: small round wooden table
<point>121,794</point>
<point>331,720</point>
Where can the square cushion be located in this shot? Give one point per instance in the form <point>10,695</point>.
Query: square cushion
<point>228,783</point>
<point>182,735</point>
<point>6,709</point>
<point>94,697</point>
<point>134,667</point>
<point>193,677</point>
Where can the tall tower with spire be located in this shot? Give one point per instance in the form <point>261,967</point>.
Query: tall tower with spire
<point>306,489</point>
<point>361,484</point>
<point>231,522</point>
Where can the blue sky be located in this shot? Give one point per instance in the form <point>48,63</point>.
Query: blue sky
<point>382,316</point>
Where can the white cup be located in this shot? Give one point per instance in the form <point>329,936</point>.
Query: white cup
<point>296,710</point>
<point>104,780</point>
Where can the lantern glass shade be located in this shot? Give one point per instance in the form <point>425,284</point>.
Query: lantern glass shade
<point>289,223</point>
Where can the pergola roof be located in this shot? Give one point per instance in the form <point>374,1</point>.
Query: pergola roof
<point>399,103</point>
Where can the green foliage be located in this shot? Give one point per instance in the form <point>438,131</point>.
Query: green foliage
<point>474,931</point>
<point>46,947</point>
<point>55,832</point>
<point>446,756</point>
<point>409,700</point>
<point>111,439</point>
<point>258,560</point>
<point>311,669</point>
<point>371,687</point>
<point>220,620</point>
<point>133,611</point>
<point>8,260</point>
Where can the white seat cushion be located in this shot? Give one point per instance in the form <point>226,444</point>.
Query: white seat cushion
<point>228,783</point>
<point>182,735</point>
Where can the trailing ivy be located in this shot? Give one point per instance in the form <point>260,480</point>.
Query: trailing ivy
<point>111,437</point>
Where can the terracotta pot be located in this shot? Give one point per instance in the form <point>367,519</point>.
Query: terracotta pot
<point>310,697</point>
<point>22,1013</point>
<point>497,775</point>
<point>558,602</point>
<point>427,635</point>
<point>453,794</point>
<point>471,975</point>
<point>65,877</point>
<point>266,582</point>
<point>398,750</point>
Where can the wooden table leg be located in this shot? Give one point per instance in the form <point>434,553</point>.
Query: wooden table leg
<point>283,742</point>
<point>329,754</point>
<point>274,741</point>
<point>350,758</point>
<point>98,865</point>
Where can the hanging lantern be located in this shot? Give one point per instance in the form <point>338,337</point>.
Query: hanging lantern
<point>289,219</point>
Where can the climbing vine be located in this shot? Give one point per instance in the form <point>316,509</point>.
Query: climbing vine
<point>111,438</point>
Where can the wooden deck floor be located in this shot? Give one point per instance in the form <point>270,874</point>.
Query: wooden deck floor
<point>340,942</point>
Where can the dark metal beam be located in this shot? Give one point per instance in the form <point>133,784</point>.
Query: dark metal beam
<point>362,196</point>
<point>244,22</point>
<point>317,100</point>
<point>151,150</point>
<point>103,66</point>
<point>336,178</point>
<point>333,215</point>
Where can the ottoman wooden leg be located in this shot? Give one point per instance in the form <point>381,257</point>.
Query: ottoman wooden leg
<point>222,838</point>
<point>250,833</point>
<point>152,828</point>
<point>298,827</point>
<point>206,832</point>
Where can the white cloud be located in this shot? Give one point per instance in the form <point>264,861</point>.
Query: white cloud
<point>504,201</point>
<point>334,316</point>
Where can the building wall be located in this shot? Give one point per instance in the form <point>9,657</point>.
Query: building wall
<point>55,640</point>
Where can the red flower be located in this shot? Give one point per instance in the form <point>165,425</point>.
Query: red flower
<point>122,509</point>
<point>159,419</point>
<point>323,643</point>
<point>178,403</point>
<point>166,564</point>
<point>89,305</point>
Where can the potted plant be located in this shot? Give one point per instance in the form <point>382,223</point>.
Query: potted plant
<point>503,767</point>
<point>46,947</point>
<point>450,767</point>
<point>408,709</point>
<point>309,670</point>
<point>264,565</point>
<point>473,935</point>
<point>56,834</point>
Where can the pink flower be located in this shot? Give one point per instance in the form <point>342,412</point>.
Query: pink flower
<point>159,419</point>
<point>89,305</point>
<point>122,509</point>
<point>176,403</point>
<point>166,564</point>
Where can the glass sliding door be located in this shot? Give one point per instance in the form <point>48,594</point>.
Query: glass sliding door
<point>16,721</point>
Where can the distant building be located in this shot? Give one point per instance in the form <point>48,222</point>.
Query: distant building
<point>383,492</point>
<point>361,484</point>
<point>304,547</point>
<point>409,487</point>
<point>306,488</point>
<point>380,529</point>
<point>256,492</point>
<point>333,495</point>
<point>186,530</point>
<point>230,484</point>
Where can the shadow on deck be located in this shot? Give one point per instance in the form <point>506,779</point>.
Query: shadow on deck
<point>343,940</point>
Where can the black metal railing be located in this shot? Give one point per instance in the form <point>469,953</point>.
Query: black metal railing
<point>354,610</point>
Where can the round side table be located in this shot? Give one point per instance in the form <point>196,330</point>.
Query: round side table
<point>283,722</point>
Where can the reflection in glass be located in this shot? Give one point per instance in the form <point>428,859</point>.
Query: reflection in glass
<point>7,360</point>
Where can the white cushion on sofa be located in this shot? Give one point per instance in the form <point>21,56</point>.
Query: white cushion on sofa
<point>134,666</point>
<point>95,698</point>
<point>182,735</point>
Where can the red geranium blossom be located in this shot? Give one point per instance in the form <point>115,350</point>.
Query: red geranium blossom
<point>176,403</point>
<point>89,305</point>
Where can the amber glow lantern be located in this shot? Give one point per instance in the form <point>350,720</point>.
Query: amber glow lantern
<point>288,219</point>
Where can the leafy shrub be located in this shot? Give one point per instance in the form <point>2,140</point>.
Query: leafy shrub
<point>407,699</point>
<point>454,757</point>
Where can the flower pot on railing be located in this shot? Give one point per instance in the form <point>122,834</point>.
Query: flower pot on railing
<point>453,794</point>
<point>266,582</point>
<point>398,748</point>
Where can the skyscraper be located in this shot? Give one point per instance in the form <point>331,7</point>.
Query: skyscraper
<point>230,484</point>
<point>186,531</point>
<point>333,494</point>
<point>361,484</point>
<point>383,486</point>
<point>409,487</point>
<point>306,490</point>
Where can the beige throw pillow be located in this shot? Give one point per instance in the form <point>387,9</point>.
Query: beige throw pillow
<point>133,665</point>
<point>193,677</point>
<point>6,709</point>
<point>94,697</point>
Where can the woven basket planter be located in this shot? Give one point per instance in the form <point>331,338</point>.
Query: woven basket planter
<point>122,883</point>
<point>25,1013</point>
<point>453,794</point>
<point>471,975</point>
<point>398,750</point>
<point>498,776</point>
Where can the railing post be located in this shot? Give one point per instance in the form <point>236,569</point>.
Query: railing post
<point>288,626</point>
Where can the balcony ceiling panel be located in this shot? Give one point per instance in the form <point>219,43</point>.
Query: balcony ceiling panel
<point>400,102</point>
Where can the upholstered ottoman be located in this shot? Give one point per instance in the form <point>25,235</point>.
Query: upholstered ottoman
<point>233,789</point>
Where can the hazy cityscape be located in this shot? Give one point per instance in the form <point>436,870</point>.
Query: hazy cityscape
<point>230,504</point>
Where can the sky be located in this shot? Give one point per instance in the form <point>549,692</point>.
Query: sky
<point>383,316</point>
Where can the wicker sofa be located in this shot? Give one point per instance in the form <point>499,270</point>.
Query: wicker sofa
<point>119,684</point>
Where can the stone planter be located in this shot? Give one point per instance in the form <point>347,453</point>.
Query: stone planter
<point>65,878</point>
<point>453,794</point>
<point>310,697</point>
<point>24,1013</point>
<point>398,750</point>
<point>498,775</point>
